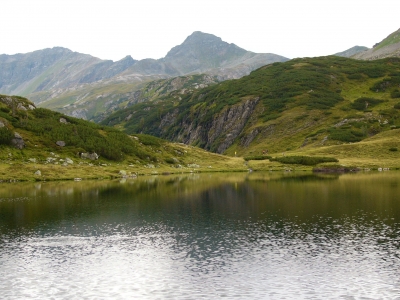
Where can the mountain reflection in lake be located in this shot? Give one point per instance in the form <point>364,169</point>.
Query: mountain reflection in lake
<point>254,236</point>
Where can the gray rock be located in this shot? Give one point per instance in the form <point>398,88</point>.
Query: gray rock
<point>91,156</point>
<point>33,160</point>
<point>69,161</point>
<point>60,143</point>
<point>38,173</point>
<point>50,159</point>
<point>18,141</point>
<point>63,120</point>
<point>1,124</point>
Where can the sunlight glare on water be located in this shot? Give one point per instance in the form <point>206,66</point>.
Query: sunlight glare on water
<point>249,240</point>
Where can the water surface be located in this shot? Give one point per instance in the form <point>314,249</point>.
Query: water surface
<point>245,236</point>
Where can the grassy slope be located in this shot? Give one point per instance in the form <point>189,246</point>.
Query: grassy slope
<point>139,154</point>
<point>301,102</point>
<point>393,38</point>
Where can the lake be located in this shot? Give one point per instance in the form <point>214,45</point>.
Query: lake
<point>203,236</point>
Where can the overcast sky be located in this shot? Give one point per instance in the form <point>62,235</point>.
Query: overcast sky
<point>150,28</point>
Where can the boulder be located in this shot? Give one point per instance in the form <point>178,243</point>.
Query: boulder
<point>18,141</point>
<point>91,156</point>
<point>60,143</point>
<point>38,173</point>
<point>63,120</point>
<point>69,161</point>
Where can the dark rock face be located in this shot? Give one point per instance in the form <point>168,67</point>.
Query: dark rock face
<point>218,134</point>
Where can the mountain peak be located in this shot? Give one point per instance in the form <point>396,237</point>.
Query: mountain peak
<point>201,36</point>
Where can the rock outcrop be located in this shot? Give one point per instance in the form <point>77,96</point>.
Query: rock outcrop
<point>218,134</point>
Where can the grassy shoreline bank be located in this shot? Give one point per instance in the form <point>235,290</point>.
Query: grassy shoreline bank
<point>12,171</point>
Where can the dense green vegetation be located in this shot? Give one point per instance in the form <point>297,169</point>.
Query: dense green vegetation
<point>312,93</point>
<point>46,127</point>
<point>304,160</point>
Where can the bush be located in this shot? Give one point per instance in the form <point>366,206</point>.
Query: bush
<point>5,136</point>
<point>346,135</point>
<point>395,93</point>
<point>169,160</point>
<point>304,160</point>
<point>364,103</point>
<point>257,157</point>
<point>393,149</point>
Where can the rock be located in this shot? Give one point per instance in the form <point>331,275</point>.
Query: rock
<point>122,173</point>
<point>193,166</point>
<point>60,143</point>
<point>33,160</point>
<point>77,179</point>
<point>247,139</point>
<point>17,141</point>
<point>50,159</point>
<point>63,120</point>
<point>69,161</point>
<point>1,124</point>
<point>38,173</point>
<point>91,156</point>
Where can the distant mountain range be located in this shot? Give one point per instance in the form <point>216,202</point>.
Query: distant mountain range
<point>83,86</point>
<point>60,68</point>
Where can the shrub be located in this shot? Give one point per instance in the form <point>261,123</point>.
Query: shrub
<point>169,160</point>
<point>393,149</point>
<point>257,157</point>
<point>5,136</point>
<point>345,135</point>
<point>395,93</point>
<point>304,160</point>
<point>364,103</point>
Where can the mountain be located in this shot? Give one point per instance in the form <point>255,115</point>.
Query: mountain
<point>388,47</point>
<point>63,77</point>
<point>352,51</point>
<point>299,105</point>
<point>206,53</point>
<point>54,68</point>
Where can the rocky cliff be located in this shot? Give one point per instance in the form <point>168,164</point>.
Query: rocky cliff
<point>220,132</point>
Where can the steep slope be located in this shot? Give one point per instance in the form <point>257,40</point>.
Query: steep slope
<point>40,144</point>
<point>388,47</point>
<point>302,103</point>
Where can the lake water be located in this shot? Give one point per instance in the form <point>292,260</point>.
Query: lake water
<point>244,236</point>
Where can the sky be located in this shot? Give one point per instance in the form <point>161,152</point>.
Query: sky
<point>114,29</point>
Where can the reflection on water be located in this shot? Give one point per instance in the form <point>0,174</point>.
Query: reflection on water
<point>253,236</point>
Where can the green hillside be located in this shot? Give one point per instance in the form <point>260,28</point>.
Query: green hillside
<point>393,38</point>
<point>300,105</point>
<point>63,147</point>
